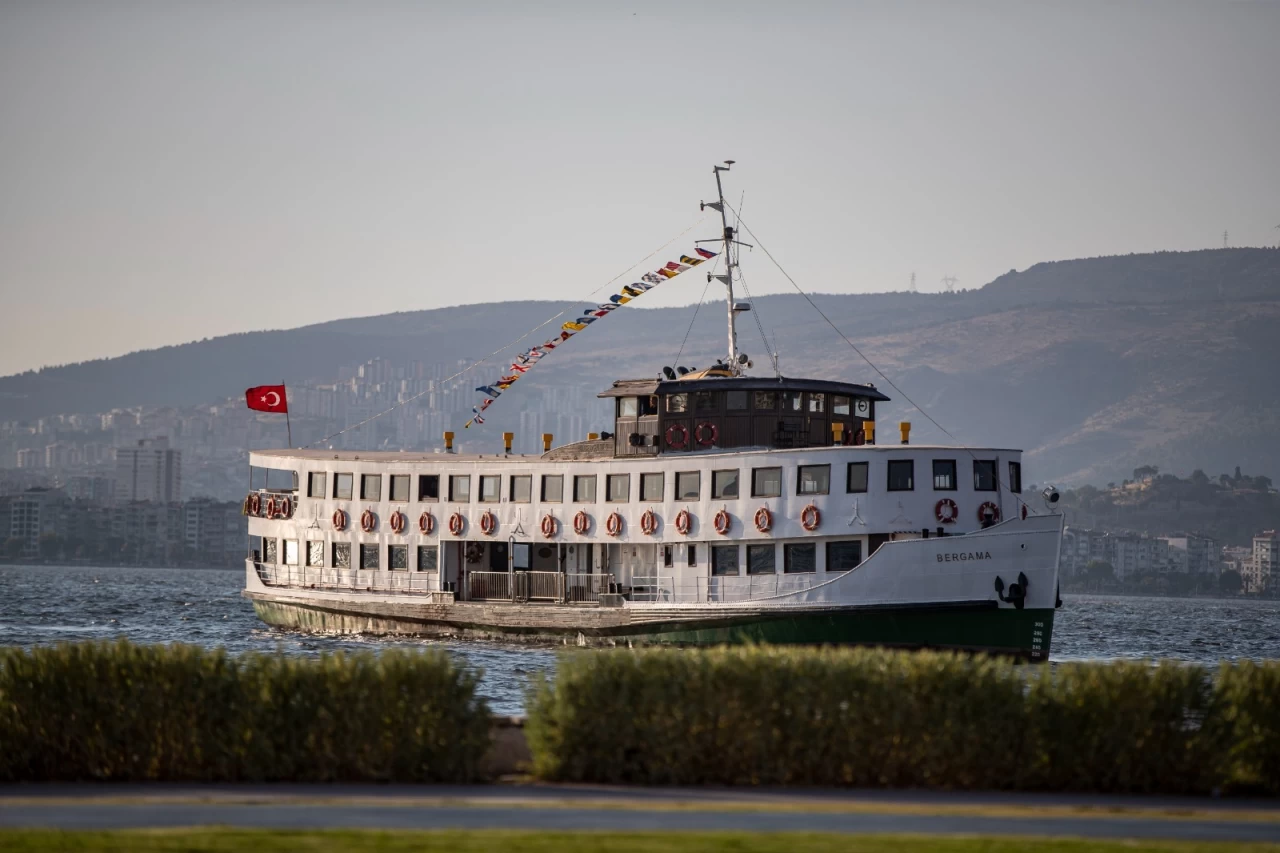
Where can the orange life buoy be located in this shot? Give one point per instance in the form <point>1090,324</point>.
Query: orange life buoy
<point>549,526</point>
<point>648,522</point>
<point>684,522</point>
<point>255,503</point>
<point>339,519</point>
<point>810,518</point>
<point>700,434</point>
<point>581,522</point>
<point>488,522</point>
<point>397,522</point>
<point>368,521</point>
<point>285,509</point>
<point>764,519</point>
<point>946,511</point>
<point>988,507</point>
<point>456,522</point>
<point>677,436</point>
<point>723,522</point>
<point>271,508</point>
<point>426,523</point>
<point>613,524</point>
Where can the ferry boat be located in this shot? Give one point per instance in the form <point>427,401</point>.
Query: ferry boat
<point>720,508</point>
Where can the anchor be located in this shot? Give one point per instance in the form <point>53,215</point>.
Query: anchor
<point>1017,591</point>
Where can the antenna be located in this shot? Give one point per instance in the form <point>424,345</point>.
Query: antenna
<point>1224,239</point>
<point>912,288</point>
<point>949,282</point>
<point>731,263</point>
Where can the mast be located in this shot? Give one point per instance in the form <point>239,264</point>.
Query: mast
<point>731,263</point>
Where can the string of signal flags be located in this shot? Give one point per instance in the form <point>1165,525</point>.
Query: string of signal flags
<point>521,364</point>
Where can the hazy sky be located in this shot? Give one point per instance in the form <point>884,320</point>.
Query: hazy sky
<point>171,171</point>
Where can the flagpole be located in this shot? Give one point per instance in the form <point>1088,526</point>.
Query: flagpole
<point>287,426</point>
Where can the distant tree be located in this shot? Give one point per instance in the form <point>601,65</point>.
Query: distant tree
<point>1099,571</point>
<point>50,545</point>
<point>1224,480</point>
<point>1111,485</point>
<point>1230,582</point>
<point>13,546</point>
<point>1199,477</point>
<point>1238,477</point>
<point>1261,483</point>
<point>1143,471</point>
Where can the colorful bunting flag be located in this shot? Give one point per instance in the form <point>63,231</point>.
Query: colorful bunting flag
<point>706,254</point>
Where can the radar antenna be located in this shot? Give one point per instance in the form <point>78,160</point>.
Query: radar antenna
<point>734,363</point>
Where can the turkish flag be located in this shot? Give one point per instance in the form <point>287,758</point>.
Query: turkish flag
<point>267,398</point>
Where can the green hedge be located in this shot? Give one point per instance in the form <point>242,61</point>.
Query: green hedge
<point>863,717</point>
<point>99,711</point>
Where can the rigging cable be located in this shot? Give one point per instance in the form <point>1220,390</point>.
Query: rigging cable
<point>696,308</point>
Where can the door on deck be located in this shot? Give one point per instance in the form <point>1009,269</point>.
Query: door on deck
<point>497,556</point>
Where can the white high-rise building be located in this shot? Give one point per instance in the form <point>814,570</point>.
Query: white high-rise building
<point>150,471</point>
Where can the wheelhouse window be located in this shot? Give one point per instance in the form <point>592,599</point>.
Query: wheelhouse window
<point>724,560</point>
<point>651,487</point>
<point>944,475</point>
<point>761,560</point>
<point>688,485</point>
<point>400,488</point>
<point>316,485</point>
<point>428,487</point>
<point>342,555</point>
<point>766,482</point>
<point>724,484</point>
<point>648,406</point>
<point>618,488</point>
<point>342,486</point>
<point>1015,477</point>
<point>370,487</point>
<point>427,558</point>
<point>628,407</point>
<point>584,488</point>
<point>553,488</point>
<point>398,558</point>
<point>843,556</point>
<point>460,488</point>
<point>813,480</point>
<point>800,558</point>
<point>857,477</point>
<point>369,556</point>
<point>521,488</point>
<point>984,475</point>
<point>490,488</point>
<point>677,403</point>
<point>902,475</point>
<point>765,400</point>
<point>817,403</point>
<point>315,553</point>
<point>735,401</point>
<point>706,401</point>
<point>792,401</point>
<point>840,405</point>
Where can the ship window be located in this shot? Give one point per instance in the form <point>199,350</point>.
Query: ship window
<point>290,552</point>
<point>521,488</point>
<point>584,488</point>
<point>342,555</point>
<point>270,554</point>
<point>315,484</point>
<point>761,560</point>
<point>648,406</point>
<point>619,488</point>
<point>692,557</point>
<point>342,486</point>
<point>553,488</point>
<point>628,407</point>
<point>902,475</point>
<point>427,558</point>
<point>400,488</point>
<point>817,403</point>
<point>839,405</point>
<point>792,401</point>
<point>736,401</point>
<point>398,558</point>
<point>944,475</point>
<point>799,558</point>
<point>706,401</point>
<point>315,553</point>
<point>766,482</point>
<point>428,487</point>
<point>688,486</point>
<point>724,559</point>
<point>766,400</point>
<point>668,556</point>
<point>369,556</point>
<point>813,480</point>
<point>724,484</point>
<point>490,488</point>
<point>651,487</point>
<point>984,475</point>
<point>843,556</point>
<point>1015,477</point>
<point>856,479</point>
<point>370,487</point>
<point>677,402</point>
<point>460,488</point>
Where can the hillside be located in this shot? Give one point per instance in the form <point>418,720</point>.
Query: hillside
<point>1094,366</point>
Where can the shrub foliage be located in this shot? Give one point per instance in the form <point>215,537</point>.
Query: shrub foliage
<point>118,711</point>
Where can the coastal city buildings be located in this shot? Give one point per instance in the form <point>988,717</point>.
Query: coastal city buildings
<point>149,471</point>
<point>1264,570</point>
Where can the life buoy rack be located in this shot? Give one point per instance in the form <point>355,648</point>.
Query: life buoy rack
<point>255,503</point>
<point>426,524</point>
<point>581,522</point>
<point>613,524</point>
<point>764,519</point>
<point>488,522</point>
<point>368,521</point>
<point>285,508</point>
<point>701,436</point>
<point>456,523</point>
<point>678,436</point>
<point>946,511</point>
<point>723,522</point>
<point>397,522</point>
<point>549,526</point>
<point>684,522</point>
<point>339,519</point>
<point>648,522</point>
<point>810,518</point>
<point>990,507</point>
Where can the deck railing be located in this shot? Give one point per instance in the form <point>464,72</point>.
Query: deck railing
<point>536,586</point>
<point>347,580</point>
<point>730,588</point>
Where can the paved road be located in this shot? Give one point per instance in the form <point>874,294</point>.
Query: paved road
<point>625,809</point>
